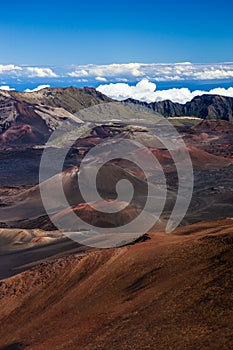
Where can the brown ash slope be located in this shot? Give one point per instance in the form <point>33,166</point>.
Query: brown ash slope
<point>173,291</point>
<point>29,118</point>
<point>71,99</point>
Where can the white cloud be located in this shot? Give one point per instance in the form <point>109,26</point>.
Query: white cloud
<point>6,88</point>
<point>111,70</point>
<point>129,69</point>
<point>157,72</point>
<point>211,74</point>
<point>121,80</point>
<point>78,73</point>
<point>146,91</point>
<point>132,72</point>
<point>223,92</point>
<point>184,63</point>
<point>38,88</point>
<point>82,80</point>
<point>41,72</point>
<point>9,68</point>
<point>101,79</point>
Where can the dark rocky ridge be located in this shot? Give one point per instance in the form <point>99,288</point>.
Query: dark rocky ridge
<point>205,107</point>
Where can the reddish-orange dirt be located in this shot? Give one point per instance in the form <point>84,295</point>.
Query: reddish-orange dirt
<point>173,291</point>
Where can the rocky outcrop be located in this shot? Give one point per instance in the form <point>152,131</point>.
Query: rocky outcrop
<point>205,107</point>
<point>71,99</point>
<point>29,118</point>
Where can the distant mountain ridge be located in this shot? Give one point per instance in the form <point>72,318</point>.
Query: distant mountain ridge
<point>205,107</point>
<point>72,99</point>
<point>30,117</point>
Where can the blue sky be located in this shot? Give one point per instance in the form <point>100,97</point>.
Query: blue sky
<point>101,32</point>
<point>164,44</point>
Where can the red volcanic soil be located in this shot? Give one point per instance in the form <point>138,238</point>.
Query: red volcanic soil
<point>201,160</point>
<point>102,131</point>
<point>173,291</point>
<point>18,133</point>
<point>199,138</point>
<point>26,127</point>
<point>97,217</point>
<point>220,126</point>
<point>130,167</point>
<point>27,115</point>
<point>97,135</point>
<point>89,141</point>
<point>213,136</point>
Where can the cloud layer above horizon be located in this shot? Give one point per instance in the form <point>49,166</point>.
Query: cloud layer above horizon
<point>146,91</point>
<point>129,72</point>
<point>122,81</point>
